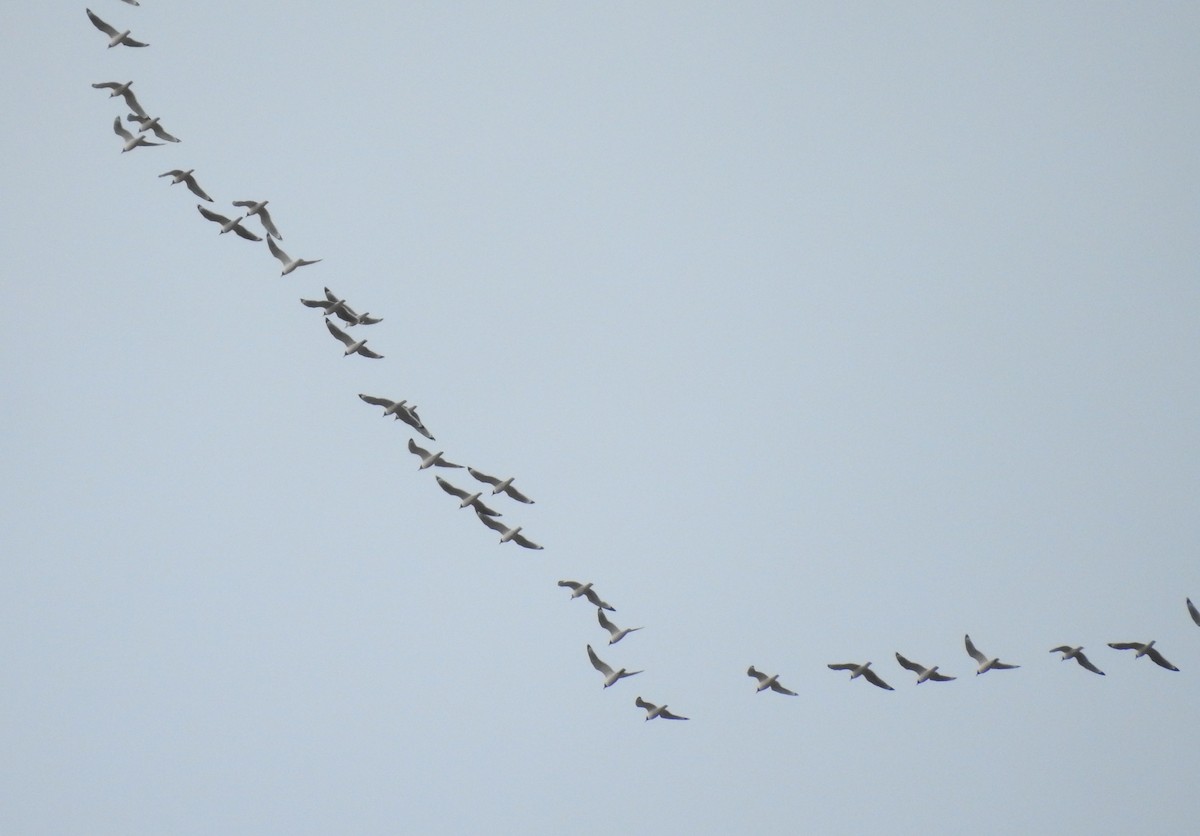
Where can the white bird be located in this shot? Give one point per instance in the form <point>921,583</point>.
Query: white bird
<point>330,304</point>
<point>289,263</point>
<point>615,633</point>
<point>429,459</point>
<point>402,411</point>
<point>117,37</point>
<point>187,178</point>
<point>765,682</point>
<point>501,485</point>
<point>353,346</point>
<point>131,141</point>
<point>507,533</point>
<point>653,710</point>
<point>610,676</point>
<point>228,224</point>
<point>121,90</point>
<point>471,499</point>
<point>1144,650</point>
<point>985,663</point>
<point>585,589</point>
<point>863,670</point>
<point>351,318</point>
<point>1076,653</point>
<point>1195,613</point>
<point>148,124</point>
<point>259,207</point>
<point>923,673</point>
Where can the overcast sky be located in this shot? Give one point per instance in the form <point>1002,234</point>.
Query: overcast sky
<point>817,331</point>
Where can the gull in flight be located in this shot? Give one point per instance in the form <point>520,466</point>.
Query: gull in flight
<point>610,676</point>
<point>131,141</point>
<point>121,90</point>
<point>289,263</point>
<point>615,633</point>
<point>1076,653</point>
<point>653,710</point>
<point>985,663</point>
<point>507,533</point>
<point>765,682</point>
<point>115,36</point>
<point>330,304</point>
<point>585,589</point>
<point>186,177</point>
<point>403,412</point>
<point>348,316</point>
<point>863,670</point>
<point>471,499</point>
<point>923,673</point>
<point>148,124</point>
<point>1195,613</point>
<point>501,485</point>
<point>227,224</point>
<point>353,346</point>
<point>1144,650</point>
<point>259,207</point>
<point>429,459</point>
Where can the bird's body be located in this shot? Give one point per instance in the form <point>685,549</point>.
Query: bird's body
<point>863,670</point>
<point>115,38</point>
<point>986,663</point>
<point>585,590</point>
<point>289,263</point>
<point>228,224</point>
<point>429,459</point>
<point>615,633</point>
<point>765,682</point>
<point>353,346</point>
<point>611,677</point>
<point>499,485</point>
<point>923,673</point>
<point>187,178</point>
<point>1076,653</point>
<point>506,533</point>
<point>471,499</point>
<point>1146,649</point>
<point>653,711</point>
<point>131,141</point>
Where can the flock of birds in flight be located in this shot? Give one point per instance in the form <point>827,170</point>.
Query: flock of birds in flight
<point>334,306</point>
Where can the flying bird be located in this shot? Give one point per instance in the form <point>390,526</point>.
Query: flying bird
<point>504,485</point>
<point>131,141</point>
<point>330,304</point>
<point>653,710</point>
<point>289,263</point>
<point>116,37</point>
<point>353,346</point>
<point>863,670</point>
<point>610,676</point>
<point>1076,653</point>
<point>148,124</point>
<point>507,533</point>
<point>1195,613</point>
<point>121,90</point>
<point>765,682</point>
<point>471,499</point>
<point>585,589</point>
<point>1144,650</point>
<point>985,663</point>
<point>615,633</point>
<point>923,673</point>
<point>348,315</point>
<point>401,410</point>
<point>133,2</point>
<point>188,179</point>
<point>228,224</point>
<point>259,207</point>
<point>429,459</point>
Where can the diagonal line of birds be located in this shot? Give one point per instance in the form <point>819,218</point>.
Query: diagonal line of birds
<point>336,307</point>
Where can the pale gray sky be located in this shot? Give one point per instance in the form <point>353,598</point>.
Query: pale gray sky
<point>817,331</point>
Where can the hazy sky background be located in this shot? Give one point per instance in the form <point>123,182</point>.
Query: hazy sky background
<point>817,331</point>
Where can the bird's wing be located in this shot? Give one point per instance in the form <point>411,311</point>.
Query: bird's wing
<point>243,203</point>
<point>314,303</point>
<point>451,489</point>
<point>119,129</point>
<point>843,666</point>
<point>775,686</point>
<point>195,187</point>
<point>369,320</point>
<point>175,172</point>
<point>912,666</point>
<point>522,540</point>
<point>480,508</point>
<point>1061,649</point>
<point>1085,662</point>
<point>268,224</point>
<point>605,623</point>
<point>491,523</point>
<point>1159,659</point>
<point>107,85</point>
<point>133,104</point>
<point>483,477</point>
<point>371,399</point>
<point>245,233</point>
<point>413,447</point>
<point>1125,645</point>
<point>101,25</point>
<point>641,703</point>
<point>571,585</point>
<point>876,679</point>
<point>346,339</point>
<point>1004,666</point>
<point>367,352</point>
<point>345,313</point>
<point>597,664</point>
<point>132,42</point>
<point>667,715</point>
<point>973,651</point>
<point>162,134</point>
<point>517,495</point>
<point>212,216</point>
<point>1194,612</point>
<point>940,677</point>
<point>591,595</point>
<point>283,257</point>
<point>759,675</point>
